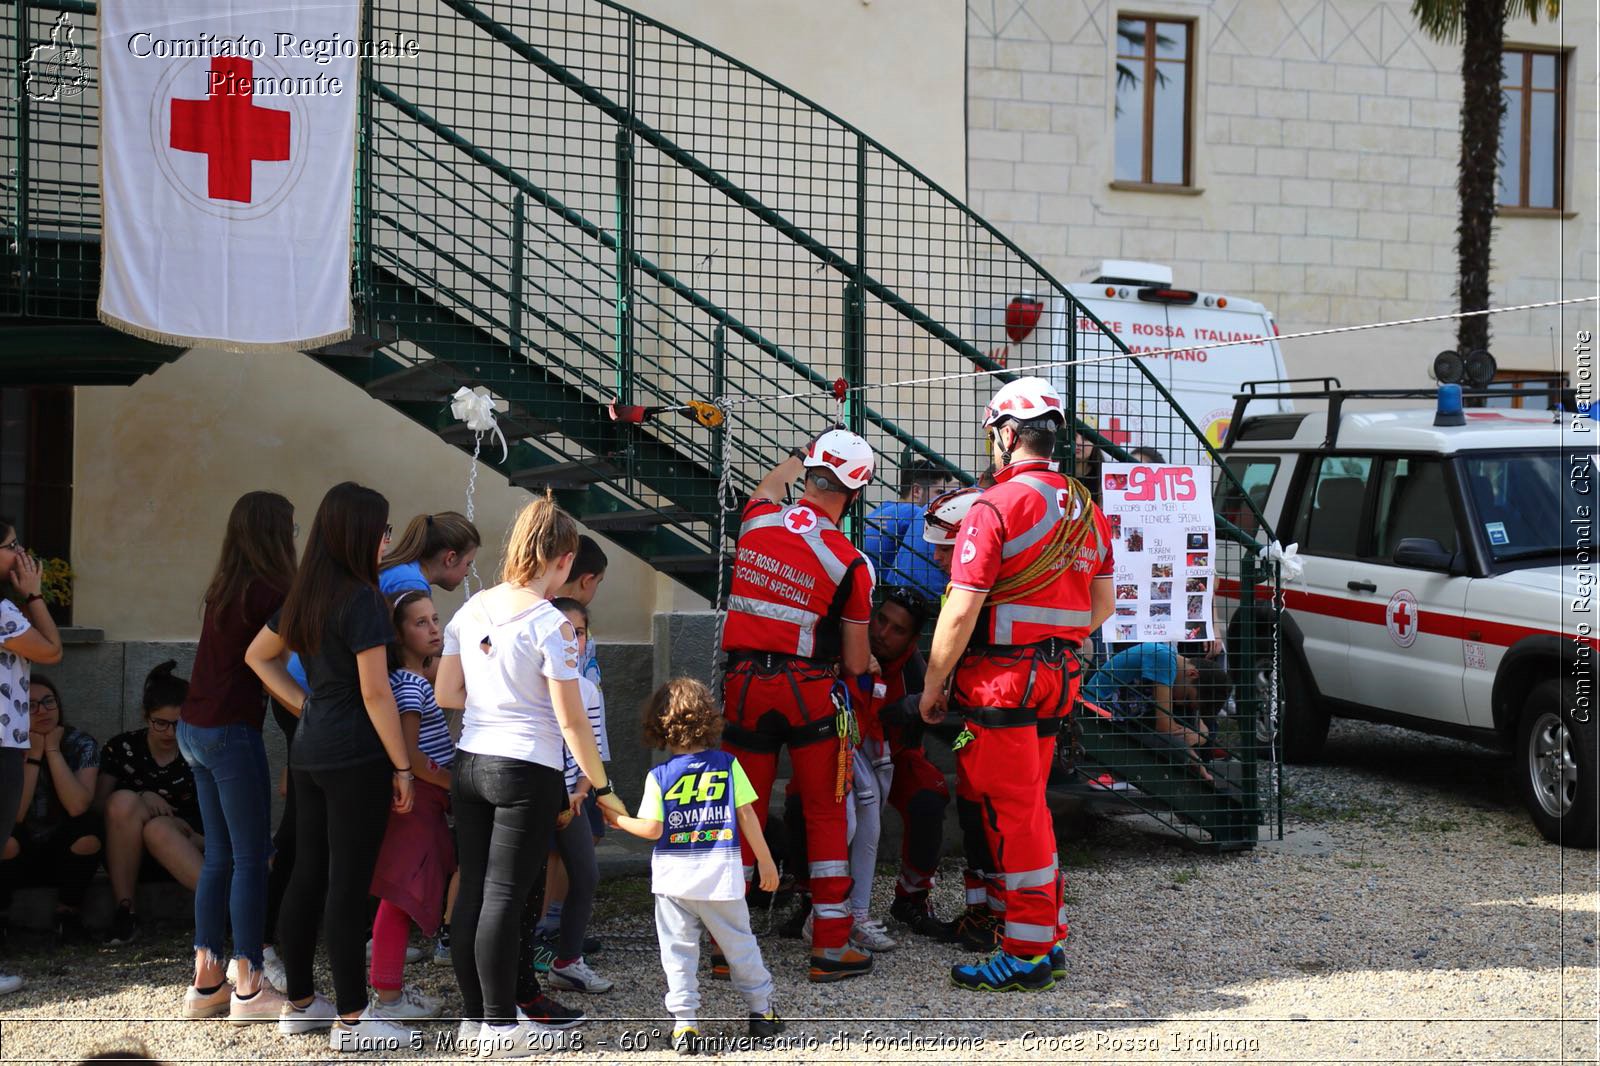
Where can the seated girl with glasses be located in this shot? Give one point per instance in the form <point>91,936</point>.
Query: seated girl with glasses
<point>152,813</point>
<point>56,840</point>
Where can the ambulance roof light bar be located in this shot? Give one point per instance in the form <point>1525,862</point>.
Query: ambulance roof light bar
<point>1133,272</point>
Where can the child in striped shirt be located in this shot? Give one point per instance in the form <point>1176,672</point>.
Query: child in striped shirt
<point>418,855</point>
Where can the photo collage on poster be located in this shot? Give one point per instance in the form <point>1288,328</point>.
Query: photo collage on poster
<point>1164,537</point>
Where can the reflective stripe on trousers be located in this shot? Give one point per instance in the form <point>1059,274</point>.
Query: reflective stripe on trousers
<point>1045,875</point>
<point>1034,933</point>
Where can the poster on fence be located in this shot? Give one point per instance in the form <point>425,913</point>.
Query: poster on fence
<point>1165,535</point>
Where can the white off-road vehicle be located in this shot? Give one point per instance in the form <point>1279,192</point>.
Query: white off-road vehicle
<point>1449,580</point>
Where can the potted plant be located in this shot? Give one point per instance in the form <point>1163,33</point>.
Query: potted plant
<point>57,588</point>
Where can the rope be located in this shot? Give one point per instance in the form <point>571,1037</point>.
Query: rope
<point>1067,538</point>
<point>472,487</point>
<point>1277,662</point>
<point>725,501</point>
<point>1121,356</point>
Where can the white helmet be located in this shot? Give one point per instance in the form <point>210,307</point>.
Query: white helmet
<point>1025,400</point>
<point>942,520</point>
<point>843,454</point>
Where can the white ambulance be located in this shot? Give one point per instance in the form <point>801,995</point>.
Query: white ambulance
<point>1201,347</point>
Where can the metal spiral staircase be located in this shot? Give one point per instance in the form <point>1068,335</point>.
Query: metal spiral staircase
<point>570,203</point>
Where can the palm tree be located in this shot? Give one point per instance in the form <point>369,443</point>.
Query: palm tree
<point>1479,26</point>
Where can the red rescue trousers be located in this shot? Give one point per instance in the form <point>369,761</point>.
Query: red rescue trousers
<point>781,708</point>
<point>920,794</point>
<point>1004,768</point>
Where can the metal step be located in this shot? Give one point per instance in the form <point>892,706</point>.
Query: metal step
<point>603,521</point>
<point>432,380</point>
<point>684,564</point>
<point>574,475</point>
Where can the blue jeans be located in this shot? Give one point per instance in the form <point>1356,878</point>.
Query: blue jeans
<point>234,785</point>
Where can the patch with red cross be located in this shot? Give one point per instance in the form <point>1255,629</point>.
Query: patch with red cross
<point>1402,618</point>
<point>800,519</point>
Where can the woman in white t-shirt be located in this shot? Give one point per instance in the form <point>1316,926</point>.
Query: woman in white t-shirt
<point>27,636</point>
<point>511,663</point>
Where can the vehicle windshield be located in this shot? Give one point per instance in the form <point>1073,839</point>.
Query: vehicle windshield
<point>1534,504</point>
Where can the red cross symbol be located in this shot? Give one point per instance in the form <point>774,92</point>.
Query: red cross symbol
<point>1115,433</point>
<point>229,130</point>
<point>1403,619</point>
<point>800,519</point>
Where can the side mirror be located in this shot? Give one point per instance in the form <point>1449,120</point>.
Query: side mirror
<point>1423,553</point>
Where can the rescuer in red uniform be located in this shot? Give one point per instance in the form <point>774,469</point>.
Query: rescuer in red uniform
<point>1030,579</point>
<point>798,609</point>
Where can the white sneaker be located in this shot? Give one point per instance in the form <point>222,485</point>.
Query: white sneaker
<point>467,1037</point>
<point>265,1006</point>
<point>9,983</point>
<point>411,1004</point>
<point>271,970</point>
<point>318,1014</point>
<point>870,934</point>
<point>520,1041</point>
<point>197,1004</point>
<point>370,1033</point>
<point>578,977</point>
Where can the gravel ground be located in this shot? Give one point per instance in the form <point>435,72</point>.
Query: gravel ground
<point>1411,913</point>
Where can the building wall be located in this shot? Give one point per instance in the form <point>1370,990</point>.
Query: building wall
<point>159,464</point>
<point>893,68</point>
<point>1326,147</point>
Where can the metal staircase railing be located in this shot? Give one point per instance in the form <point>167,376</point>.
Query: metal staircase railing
<point>569,203</point>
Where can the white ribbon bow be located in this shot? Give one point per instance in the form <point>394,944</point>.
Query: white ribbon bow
<point>476,407</point>
<point>1288,559</point>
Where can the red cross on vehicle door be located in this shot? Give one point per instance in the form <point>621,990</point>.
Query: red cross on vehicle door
<point>1409,633</point>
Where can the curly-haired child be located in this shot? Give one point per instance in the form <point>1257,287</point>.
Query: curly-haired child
<point>703,798</point>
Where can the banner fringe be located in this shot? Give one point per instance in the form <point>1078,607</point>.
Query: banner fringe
<point>175,340</point>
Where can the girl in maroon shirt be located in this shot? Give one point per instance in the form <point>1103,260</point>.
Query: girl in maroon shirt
<point>219,735</point>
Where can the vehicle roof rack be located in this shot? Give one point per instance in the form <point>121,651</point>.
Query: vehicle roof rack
<point>1335,395</point>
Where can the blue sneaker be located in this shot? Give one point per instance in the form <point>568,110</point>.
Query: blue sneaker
<point>1058,962</point>
<point>1005,973</point>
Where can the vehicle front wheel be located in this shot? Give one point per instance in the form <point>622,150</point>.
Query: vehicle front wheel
<point>1303,723</point>
<point>1555,766</point>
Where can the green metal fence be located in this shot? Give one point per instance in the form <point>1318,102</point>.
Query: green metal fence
<point>571,203</point>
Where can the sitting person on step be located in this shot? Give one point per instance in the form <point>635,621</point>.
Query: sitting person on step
<point>146,792</point>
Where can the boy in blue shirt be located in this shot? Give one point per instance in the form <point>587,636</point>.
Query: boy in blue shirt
<point>696,807</point>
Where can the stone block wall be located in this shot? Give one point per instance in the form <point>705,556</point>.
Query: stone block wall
<point>1325,153</point>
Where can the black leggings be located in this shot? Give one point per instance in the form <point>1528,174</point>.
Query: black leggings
<point>505,810</point>
<point>340,818</point>
<point>283,839</point>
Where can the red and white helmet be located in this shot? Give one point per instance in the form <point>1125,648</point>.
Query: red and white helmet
<point>1025,400</point>
<point>943,517</point>
<point>845,455</point>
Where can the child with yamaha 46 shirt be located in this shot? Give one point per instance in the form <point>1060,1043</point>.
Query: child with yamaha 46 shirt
<point>703,799</point>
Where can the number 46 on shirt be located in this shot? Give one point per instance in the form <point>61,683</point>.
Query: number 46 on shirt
<point>699,788</point>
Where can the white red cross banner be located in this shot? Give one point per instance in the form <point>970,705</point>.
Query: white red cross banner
<point>227,148</point>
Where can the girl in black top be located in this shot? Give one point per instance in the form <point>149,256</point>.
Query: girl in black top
<point>349,762</point>
<point>146,792</point>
